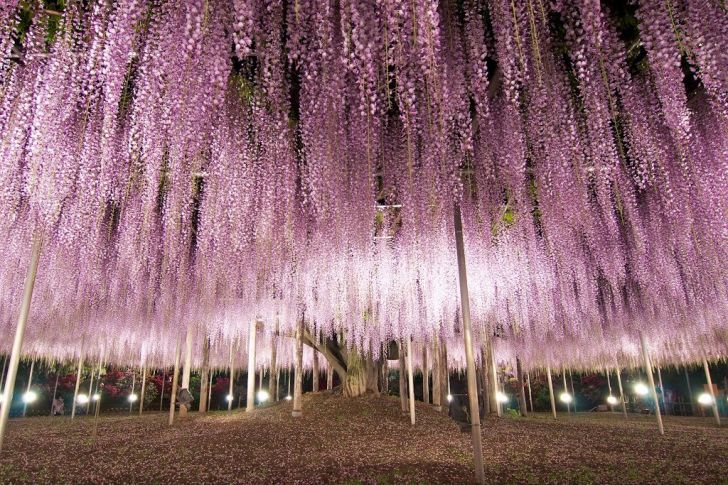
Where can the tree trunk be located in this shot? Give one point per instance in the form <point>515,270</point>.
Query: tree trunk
<point>485,368</point>
<point>402,381</point>
<point>436,376</point>
<point>361,375</point>
<point>444,379</point>
<point>316,371</point>
<point>425,376</point>
<point>273,379</point>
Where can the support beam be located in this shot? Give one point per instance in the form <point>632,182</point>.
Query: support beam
<point>187,370</point>
<point>485,384</point>
<point>436,376</point>
<point>229,397</point>
<point>494,383</point>
<point>469,358</point>
<point>315,371</point>
<point>298,382</point>
<point>651,380</point>
<point>205,383</point>
<point>175,378</point>
<point>144,388</point>
<point>273,379</point>
<point>530,396</point>
<point>621,393</point>
<point>79,369</point>
<point>425,376</point>
<point>133,383</point>
<point>30,383</point>
<point>250,397</point>
<point>551,391</point>
<point>402,381</point>
<point>521,390</point>
<point>690,391</point>
<point>410,381</point>
<point>573,392</point>
<point>18,340</point>
<point>566,390</point>
<point>712,391</point>
<point>329,378</point>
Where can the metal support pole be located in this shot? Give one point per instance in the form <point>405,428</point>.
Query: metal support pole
<point>175,378</point>
<point>651,380</point>
<point>470,360</point>
<point>18,340</point>
<point>410,381</point>
<point>551,391</point>
<point>144,388</point>
<point>530,396</point>
<point>78,383</point>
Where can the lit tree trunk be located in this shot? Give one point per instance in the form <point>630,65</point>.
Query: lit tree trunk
<point>425,376</point>
<point>78,383</point>
<point>250,399</point>
<point>298,382</point>
<point>551,391</point>
<point>204,375</point>
<point>315,377</point>
<point>521,390</point>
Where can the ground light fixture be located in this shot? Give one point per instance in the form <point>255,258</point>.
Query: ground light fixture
<point>30,397</point>
<point>449,398</point>
<point>500,397</point>
<point>229,397</point>
<point>262,396</point>
<point>705,399</point>
<point>96,397</point>
<point>641,389</point>
<point>133,398</point>
<point>565,397</point>
<point>82,399</point>
<point>288,397</point>
<point>611,400</point>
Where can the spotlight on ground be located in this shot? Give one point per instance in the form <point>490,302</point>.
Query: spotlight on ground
<point>82,399</point>
<point>640,389</point>
<point>262,396</point>
<point>705,399</point>
<point>500,397</point>
<point>566,398</point>
<point>133,398</point>
<point>30,397</point>
<point>612,400</point>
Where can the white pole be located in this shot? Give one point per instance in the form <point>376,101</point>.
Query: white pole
<point>651,380</point>
<point>209,392</point>
<point>18,340</point>
<point>410,381</point>
<point>78,383</point>
<point>712,391</point>
<point>175,378</point>
<point>187,370</point>
<point>2,376</point>
<point>494,369</point>
<point>621,393</point>
<point>436,375</point>
<point>30,382</point>
<point>470,360</point>
<point>609,386</point>
<point>250,402</point>
<point>90,391</point>
<point>662,389</point>
<point>144,387</point>
<point>551,391</point>
<point>133,384</point>
<point>530,396</point>
<point>229,397</point>
<point>298,382</point>
<point>566,390</point>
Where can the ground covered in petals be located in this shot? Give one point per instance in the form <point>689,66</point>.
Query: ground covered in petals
<point>364,440</point>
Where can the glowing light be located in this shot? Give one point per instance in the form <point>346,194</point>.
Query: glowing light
<point>640,389</point>
<point>229,397</point>
<point>612,400</point>
<point>500,397</point>
<point>133,398</point>
<point>262,396</point>
<point>96,397</point>
<point>288,397</point>
<point>705,399</point>
<point>30,397</point>
<point>566,398</point>
<point>82,399</point>
<point>449,398</point>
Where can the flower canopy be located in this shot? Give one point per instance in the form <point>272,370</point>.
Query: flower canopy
<point>211,162</point>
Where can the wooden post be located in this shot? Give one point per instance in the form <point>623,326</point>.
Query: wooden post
<point>425,376</point>
<point>690,392</point>
<point>410,381</point>
<point>621,393</point>
<point>18,340</point>
<point>250,398</point>
<point>402,379</point>
<point>78,383</point>
<point>316,371</point>
<point>30,383</point>
<point>469,358</point>
<point>205,376</point>
<point>551,391</point>
<point>712,391</point>
<point>530,396</point>
<point>651,380</point>
<point>436,375</point>
<point>175,378</point>
<point>144,388</point>
<point>521,390</point>
<point>298,383</point>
